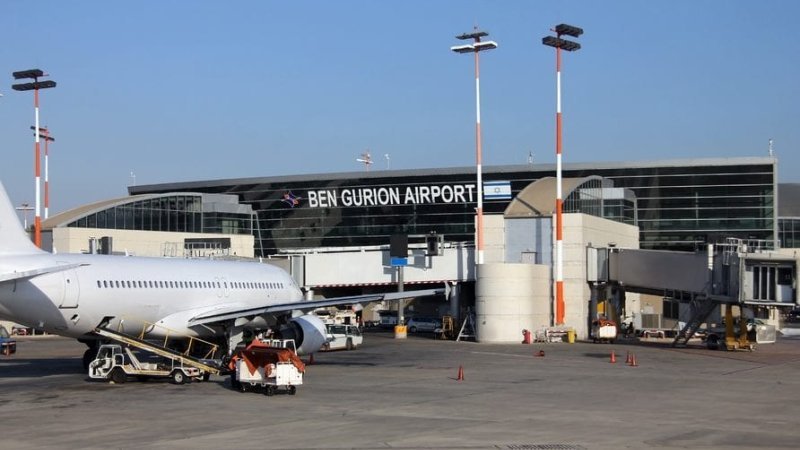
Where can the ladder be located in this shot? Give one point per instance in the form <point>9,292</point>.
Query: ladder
<point>163,351</point>
<point>701,308</point>
<point>467,328</point>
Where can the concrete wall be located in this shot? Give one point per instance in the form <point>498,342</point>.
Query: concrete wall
<point>579,231</point>
<point>142,243</point>
<point>510,298</point>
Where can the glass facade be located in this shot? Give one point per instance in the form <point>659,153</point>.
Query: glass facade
<point>678,204</point>
<point>789,232</point>
<point>178,213</point>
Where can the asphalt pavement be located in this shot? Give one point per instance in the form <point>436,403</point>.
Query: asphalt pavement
<point>405,394</point>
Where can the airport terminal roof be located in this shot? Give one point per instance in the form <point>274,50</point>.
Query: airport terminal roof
<point>188,185</point>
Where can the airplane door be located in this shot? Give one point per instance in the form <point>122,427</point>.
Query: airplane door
<point>72,290</point>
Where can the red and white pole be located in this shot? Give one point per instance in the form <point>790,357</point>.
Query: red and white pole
<point>37,221</point>
<point>559,201</point>
<point>46,173</point>
<point>478,157</point>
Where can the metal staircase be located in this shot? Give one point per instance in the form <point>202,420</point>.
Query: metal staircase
<point>701,308</point>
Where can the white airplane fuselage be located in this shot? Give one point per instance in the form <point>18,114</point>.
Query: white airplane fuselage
<point>135,291</point>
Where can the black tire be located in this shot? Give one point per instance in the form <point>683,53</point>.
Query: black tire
<point>178,377</point>
<point>117,375</point>
<point>292,390</point>
<point>206,376</point>
<point>349,344</point>
<point>269,390</point>
<point>88,357</point>
<point>413,329</point>
<point>235,384</point>
<point>712,342</point>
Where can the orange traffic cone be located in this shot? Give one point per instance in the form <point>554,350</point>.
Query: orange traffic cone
<point>633,360</point>
<point>540,354</point>
<point>628,358</point>
<point>460,373</point>
<point>613,357</point>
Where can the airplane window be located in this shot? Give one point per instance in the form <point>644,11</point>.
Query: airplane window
<point>225,283</point>
<point>140,284</point>
<point>170,284</point>
<point>151,283</point>
<point>129,284</point>
<point>117,283</point>
<point>98,283</point>
<point>105,283</point>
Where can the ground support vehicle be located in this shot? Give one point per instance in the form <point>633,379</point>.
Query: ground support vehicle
<point>604,330</point>
<point>8,345</point>
<point>116,363</point>
<point>347,337</point>
<point>267,366</point>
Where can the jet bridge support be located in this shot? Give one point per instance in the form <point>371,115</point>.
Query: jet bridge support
<point>736,271</point>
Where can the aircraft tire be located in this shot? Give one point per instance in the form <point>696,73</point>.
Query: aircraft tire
<point>292,390</point>
<point>88,357</point>
<point>269,390</point>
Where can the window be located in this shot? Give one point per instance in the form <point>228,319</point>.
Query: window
<point>98,283</point>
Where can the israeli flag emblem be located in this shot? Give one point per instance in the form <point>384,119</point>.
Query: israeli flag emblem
<point>497,190</point>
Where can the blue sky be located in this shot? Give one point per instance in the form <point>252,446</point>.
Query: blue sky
<point>194,90</point>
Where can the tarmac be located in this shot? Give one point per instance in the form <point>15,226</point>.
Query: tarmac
<point>405,394</point>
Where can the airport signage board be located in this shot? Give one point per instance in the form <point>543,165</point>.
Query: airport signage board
<point>392,195</point>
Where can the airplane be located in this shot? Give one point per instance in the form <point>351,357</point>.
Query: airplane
<point>72,294</point>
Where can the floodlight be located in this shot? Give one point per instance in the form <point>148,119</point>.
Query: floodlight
<point>463,48</point>
<point>35,85</point>
<point>31,73</point>
<point>473,35</point>
<point>569,30</point>
<point>563,44</point>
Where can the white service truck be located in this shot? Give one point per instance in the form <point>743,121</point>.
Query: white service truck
<point>116,363</point>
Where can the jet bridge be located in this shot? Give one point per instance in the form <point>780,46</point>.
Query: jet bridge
<point>740,272</point>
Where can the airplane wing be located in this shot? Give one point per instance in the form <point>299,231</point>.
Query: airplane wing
<point>234,313</point>
<point>12,276</point>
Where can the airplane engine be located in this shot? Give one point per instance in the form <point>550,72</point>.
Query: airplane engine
<point>308,332</point>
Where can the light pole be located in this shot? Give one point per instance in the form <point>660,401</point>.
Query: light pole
<point>570,46</point>
<point>24,207</point>
<point>476,47</point>
<point>35,74</point>
<point>45,134</point>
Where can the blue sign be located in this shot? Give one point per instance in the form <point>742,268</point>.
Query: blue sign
<point>395,261</point>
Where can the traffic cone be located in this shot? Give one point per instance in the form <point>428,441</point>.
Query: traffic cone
<point>540,354</point>
<point>613,357</point>
<point>460,373</point>
<point>633,360</point>
<point>628,358</point>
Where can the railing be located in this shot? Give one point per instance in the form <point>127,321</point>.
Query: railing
<point>148,327</point>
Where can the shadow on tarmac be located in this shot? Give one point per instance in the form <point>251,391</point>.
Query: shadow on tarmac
<point>11,367</point>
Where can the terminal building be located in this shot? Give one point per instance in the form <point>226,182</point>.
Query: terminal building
<point>332,231</point>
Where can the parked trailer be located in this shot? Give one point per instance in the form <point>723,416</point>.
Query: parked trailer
<point>116,363</point>
<point>267,366</point>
